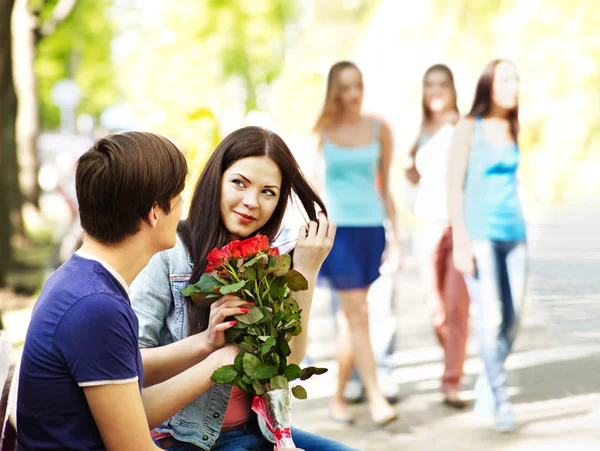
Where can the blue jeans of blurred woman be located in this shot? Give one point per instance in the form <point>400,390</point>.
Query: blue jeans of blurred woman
<point>497,291</point>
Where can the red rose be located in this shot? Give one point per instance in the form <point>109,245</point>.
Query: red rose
<point>263,242</point>
<point>209,268</point>
<point>249,247</point>
<point>216,258</point>
<point>235,249</point>
<point>274,252</point>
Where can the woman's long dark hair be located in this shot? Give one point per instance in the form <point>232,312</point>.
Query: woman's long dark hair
<point>204,230</point>
<point>483,98</point>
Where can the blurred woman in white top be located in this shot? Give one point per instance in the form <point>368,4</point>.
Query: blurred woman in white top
<point>446,292</point>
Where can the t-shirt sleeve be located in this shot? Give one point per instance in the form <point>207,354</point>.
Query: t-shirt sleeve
<point>97,338</point>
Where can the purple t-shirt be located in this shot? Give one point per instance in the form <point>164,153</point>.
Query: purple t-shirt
<point>83,332</point>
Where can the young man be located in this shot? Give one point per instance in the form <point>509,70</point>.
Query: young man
<point>81,372</point>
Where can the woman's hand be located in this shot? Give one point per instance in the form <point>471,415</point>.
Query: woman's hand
<point>314,243</point>
<point>462,254</point>
<point>224,307</point>
<point>412,175</point>
<point>392,259</point>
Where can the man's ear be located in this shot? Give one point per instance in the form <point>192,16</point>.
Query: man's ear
<point>152,217</point>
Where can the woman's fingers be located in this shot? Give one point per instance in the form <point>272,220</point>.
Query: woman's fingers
<point>224,326</point>
<point>312,230</point>
<point>323,226</point>
<point>302,234</point>
<point>226,312</point>
<point>331,229</point>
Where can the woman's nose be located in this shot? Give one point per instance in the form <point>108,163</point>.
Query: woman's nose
<point>250,199</point>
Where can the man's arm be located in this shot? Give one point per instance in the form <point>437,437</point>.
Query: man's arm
<point>119,414</point>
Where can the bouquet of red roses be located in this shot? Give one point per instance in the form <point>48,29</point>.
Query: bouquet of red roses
<point>257,273</point>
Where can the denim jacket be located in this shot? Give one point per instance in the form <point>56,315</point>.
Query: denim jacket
<point>163,318</point>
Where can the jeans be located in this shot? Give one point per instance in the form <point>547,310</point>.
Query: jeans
<point>250,439</point>
<point>497,291</point>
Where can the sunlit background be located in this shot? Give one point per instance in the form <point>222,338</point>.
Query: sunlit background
<point>195,70</point>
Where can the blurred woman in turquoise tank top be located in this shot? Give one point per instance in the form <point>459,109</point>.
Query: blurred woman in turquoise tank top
<point>357,152</point>
<point>489,228</point>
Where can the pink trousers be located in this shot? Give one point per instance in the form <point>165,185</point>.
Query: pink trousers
<point>448,301</point>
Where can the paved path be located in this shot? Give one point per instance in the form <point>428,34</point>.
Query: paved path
<point>553,373</point>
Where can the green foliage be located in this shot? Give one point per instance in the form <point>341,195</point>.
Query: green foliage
<point>79,48</point>
<point>253,47</point>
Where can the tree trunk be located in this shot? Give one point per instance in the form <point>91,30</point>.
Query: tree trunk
<point>9,182</point>
<point>24,29</point>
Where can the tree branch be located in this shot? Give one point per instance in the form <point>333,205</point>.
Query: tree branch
<point>59,14</point>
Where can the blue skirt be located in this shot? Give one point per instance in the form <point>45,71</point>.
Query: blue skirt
<point>355,257</point>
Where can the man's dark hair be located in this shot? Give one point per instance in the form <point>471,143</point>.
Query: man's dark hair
<point>119,179</point>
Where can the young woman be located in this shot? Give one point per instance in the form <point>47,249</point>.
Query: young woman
<point>489,228</point>
<point>356,150</point>
<point>446,292</point>
<point>243,190</point>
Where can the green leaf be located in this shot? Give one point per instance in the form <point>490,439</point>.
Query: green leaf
<point>249,293</point>
<point>208,296</point>
<point>284,348</point>
<point>264,371</point>
<point>279,382</point>
<point>232,334</point>
<point>296,281</point>
<point>240,325</point>
<point>277,319</point>
<point>238,363</point>
<point>250,274</point>
<point>310,371</point>
<point>250,262</point>
<point>250,362</point>
<point>258,388</point>
<point>292,371</point>
<point>246,379</point>
<point>253,330</point>
<point>275,358</point>
<point>293,304</point>
<point>246,347</point>
<point>253,316</point>
<point>282,265</point>
<point>204,285</point>
<point>220,279</point>
<point>299,392</point>
<point>227,289</point>
<point>291,323</point>
<point>246,387</point>
<point>278,288</point>
<point>224,375</point>
<point>268,345</point>
<point>297,330</point>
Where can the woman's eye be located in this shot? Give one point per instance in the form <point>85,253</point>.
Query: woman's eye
<point>238,182</point>
<point>269,192</point>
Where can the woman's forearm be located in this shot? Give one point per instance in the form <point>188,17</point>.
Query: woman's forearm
<point>457,170</point>
<point>164,362</point>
